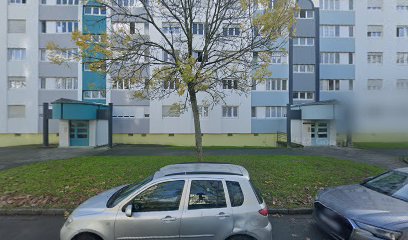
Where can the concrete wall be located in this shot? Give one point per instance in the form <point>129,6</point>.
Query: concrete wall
<point>64,133</point>
<point>240,140</point>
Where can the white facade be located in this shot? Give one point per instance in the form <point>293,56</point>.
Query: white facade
<point>382,104</point>
<point>148,116</point>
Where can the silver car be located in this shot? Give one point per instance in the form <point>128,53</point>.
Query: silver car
<point>182,201</point>
<point>376,209</point>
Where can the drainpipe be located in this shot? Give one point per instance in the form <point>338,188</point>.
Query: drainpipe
<point>46,142</point>
<point>110,125</point>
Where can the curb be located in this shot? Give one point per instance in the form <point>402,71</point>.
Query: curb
<point>32,211</point>
<point>60,212</point>
<point>295,211</point>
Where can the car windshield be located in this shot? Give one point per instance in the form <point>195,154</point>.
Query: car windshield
<point>124,192</point>
<point>393,183</point>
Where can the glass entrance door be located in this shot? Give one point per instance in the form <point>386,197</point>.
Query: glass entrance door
<point>320,134</point>
<point>79,133</point>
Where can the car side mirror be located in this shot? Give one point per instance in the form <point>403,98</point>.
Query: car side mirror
<point>129,210</point>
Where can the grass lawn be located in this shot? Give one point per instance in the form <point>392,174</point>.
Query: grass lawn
<point>381,145</point>
<point>286,181</point>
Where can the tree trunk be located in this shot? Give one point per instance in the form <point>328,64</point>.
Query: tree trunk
<point>197,126</point>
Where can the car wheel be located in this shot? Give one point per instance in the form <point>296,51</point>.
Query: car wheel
<point>87,236</point>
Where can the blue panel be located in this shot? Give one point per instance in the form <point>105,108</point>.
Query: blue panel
<point>337,44</point>
<point>341,96</point>
<point>279,70</point>
<point>337,17</point>
<point>268,125</point>
<point>262,99</point>
<point>101,101</point>
<point>337,71</point>
<point>56,111</point>
<point>93,81</point>
<point>77,111</point>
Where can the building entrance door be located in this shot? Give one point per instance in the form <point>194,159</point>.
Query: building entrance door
<point>78,133</point>
<point>320,133</point>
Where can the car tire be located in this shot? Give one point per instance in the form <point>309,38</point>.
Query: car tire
<point>87,236</point>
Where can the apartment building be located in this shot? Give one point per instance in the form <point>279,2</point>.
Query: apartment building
<point>342,53</point>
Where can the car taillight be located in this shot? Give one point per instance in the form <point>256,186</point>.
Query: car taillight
<point>264,211</point>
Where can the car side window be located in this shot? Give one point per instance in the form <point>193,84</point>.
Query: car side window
<point>206,194</point>
<point>235,193</point>
<point>164,196</point>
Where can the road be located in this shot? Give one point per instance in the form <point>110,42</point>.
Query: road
<point>47,228</point>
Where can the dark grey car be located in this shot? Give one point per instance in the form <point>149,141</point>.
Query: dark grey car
<point>375,209</point>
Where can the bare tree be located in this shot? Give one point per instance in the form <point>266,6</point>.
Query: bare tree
<point>190,48</point>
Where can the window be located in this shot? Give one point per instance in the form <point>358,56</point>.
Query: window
<point>198,28</point>
<point>94,10</point>
<point>303,68</point>
<point>402,84</point>
<point>235,193</point>
<point>330,85</point>
<point>170,84</point>
<point>303,95</point>
<point>276,85</point>
<point>330,31</point>
<point>129,3</point>
<point>59,83</point>
<point>16,82</point>
<point>99,94</point>
<point>375,57</point>
<point>275,112</point>
<point>87,67</point>
<point>160,197</point>
<point>305,14</point>
<point>66,26</point>
<point>16,111</point>
<point>198,55</point>
<point>402,31</point>
<point>330,58</point>
<point>279,58</point>
<point>253,112</point>
<point>229,111</point>
<point>66,54</point>
<point>16,26</point>
<point>66,83</point>
<point>374,4</point>
<point>122,84</point>
<point>402,5</point>
<point>374,31</point>
<point>68,2</point>
<point>233,30</point>
<point>330,4</point>
<point>374,84</point>
<point>402,57</point>
<point>171,28</point>
<point>303,41</point>
<point>169,111</point>
<point>17,1</point>
<point>16,54</point>
<point>230,84</point>
<point>206,194</point>
<point>203,111</point>
<point>167,57</point>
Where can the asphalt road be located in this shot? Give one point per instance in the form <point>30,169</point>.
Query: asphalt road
<point>47,228</point>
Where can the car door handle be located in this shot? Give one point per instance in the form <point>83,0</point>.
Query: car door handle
<point>223,214</point>
<point>169,219</point>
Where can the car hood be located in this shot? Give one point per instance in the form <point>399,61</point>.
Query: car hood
<point>365,205</point>
<point>95,204</point>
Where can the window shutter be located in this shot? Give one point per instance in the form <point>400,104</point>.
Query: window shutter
<point>16,111</point>
<point>16,26</point>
